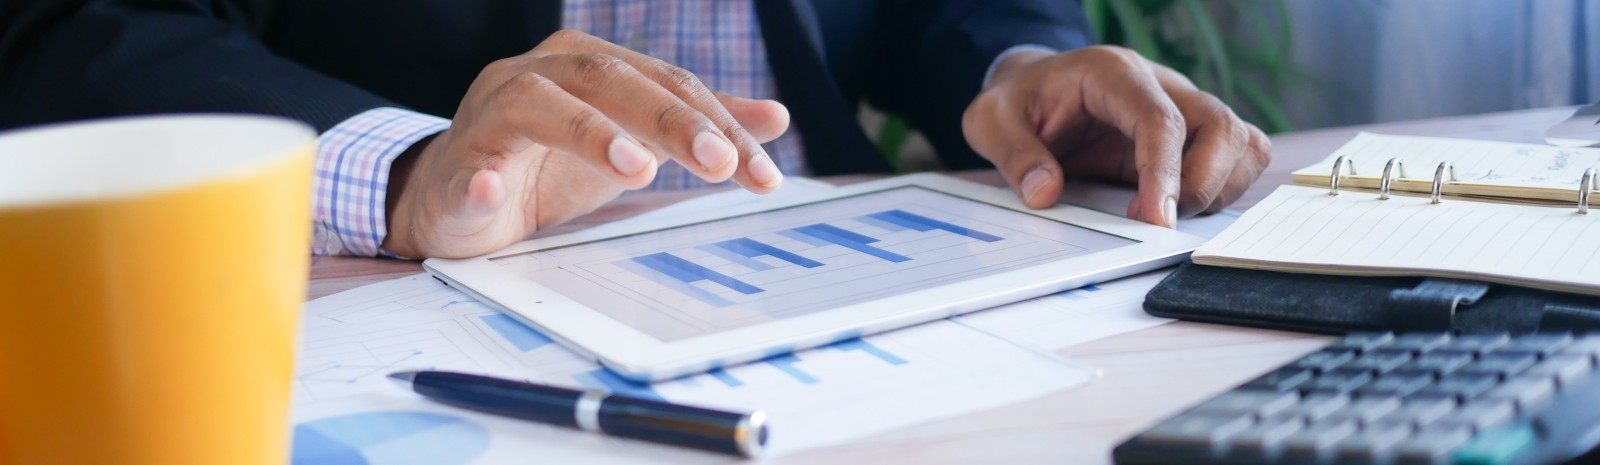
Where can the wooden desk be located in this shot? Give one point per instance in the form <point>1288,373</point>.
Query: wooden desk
<point>1147,374</point>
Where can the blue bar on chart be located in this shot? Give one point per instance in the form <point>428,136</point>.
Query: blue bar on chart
<point>869,349</point>
<point>524,338</point>
<point>605,380</point>
<point>923,223</point>
<point>785,363</point>
<point>688,272</point>
<point>677,274</point>
<point>803,238</point>
<point>751,248</point>
<point>887,226</point>
<point>725,254</point>
<point>839,236</point>
<point>725,377</point>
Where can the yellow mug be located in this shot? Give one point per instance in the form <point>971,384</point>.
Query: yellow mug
<point>151,275</point>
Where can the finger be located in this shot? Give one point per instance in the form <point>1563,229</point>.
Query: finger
<point>999,130</point>
<point>643,108</point>
<point>1207,167</point>
<point>765,119</point>
<point>1225,153</point>
<point>1245,171</point>
<point>758,172</point>
<point>1133,101</point>
<point>531,108</point>
<point>754,170</point>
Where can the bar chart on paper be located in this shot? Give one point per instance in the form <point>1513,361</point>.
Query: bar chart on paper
<point>704,278</point>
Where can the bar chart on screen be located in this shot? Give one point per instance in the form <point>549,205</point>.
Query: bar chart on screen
<point>699,279</point>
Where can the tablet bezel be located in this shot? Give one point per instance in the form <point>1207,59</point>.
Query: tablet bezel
<point>638,356</point>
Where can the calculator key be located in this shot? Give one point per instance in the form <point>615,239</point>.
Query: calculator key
<point>1316,440</point>
<point>1196,432</point>
<point>1542,344</point>
<point>1249,401</point>
<point>1565,368</point>
<point>1420,411</point>
<point>1372,443</point>
<point>1479,415</point>
<point>1378,362</point>
<point>1367,409</point>
<point>1325,359</point>
<point>1281,379</point>
<point>1362,342</point>
<point>1395,384</point>
<point>1460,386</point>
<point>1475,343</point>
<point>1431,446</point>
<point>1587,345</point>
<point>1527,393</point>
<point>1315,407</point>
<point>1419,342</point>
<point>1501,364</point>
<point>1263,439</point>
<point>1338,381</point>
<point>1437,363</point>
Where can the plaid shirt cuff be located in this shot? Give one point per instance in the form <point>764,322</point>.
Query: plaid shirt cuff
<point>352,177</point>
<point>989,75</point>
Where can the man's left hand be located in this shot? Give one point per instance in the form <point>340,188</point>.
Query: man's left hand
<point>1106,112</point>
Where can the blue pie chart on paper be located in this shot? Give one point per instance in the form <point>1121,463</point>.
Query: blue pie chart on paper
<point>389,438</point>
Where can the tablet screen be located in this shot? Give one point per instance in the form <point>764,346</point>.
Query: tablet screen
<point>705,278</point>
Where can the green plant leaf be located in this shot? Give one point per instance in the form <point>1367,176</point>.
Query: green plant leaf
<point>1095,11</point>
<point>1206,28</point>
<point>1265,106</point>
<point>1285,48</point>
<point>1135,30</point>
<point>892,139</point>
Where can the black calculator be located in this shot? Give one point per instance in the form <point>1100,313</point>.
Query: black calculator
<point>1412,398</point>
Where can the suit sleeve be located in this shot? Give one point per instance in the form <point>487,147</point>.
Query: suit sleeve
<point>65,60</point>
<point>930,58</point>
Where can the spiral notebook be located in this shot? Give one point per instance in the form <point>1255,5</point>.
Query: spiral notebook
<point>1501,171</point>
<point>1547,239</point>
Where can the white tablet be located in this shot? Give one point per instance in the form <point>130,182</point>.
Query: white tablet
<point>686,295</point>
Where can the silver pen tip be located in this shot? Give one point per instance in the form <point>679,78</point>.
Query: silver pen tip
<point>403,378</point>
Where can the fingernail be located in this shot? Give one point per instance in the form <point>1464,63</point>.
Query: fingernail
<point>628,157</point>
<point>1033,182</point>
<point>1169,212</point>
<point>711,151</point>
<point>762,171</point>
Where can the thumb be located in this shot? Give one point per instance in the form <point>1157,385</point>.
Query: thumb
<point>483,195</point>
<point>1002,134</point>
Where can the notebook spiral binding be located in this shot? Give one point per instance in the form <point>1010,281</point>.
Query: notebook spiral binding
<point>1586,185</point>
<point>1396,169</point>
<point>1339,164</point>
<point>1388,176</point>
<point>1438,179</point>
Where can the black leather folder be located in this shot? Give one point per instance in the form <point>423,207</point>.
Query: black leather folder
<point>1330,304</point>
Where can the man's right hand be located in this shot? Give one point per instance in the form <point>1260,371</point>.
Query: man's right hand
<point>551,134</point>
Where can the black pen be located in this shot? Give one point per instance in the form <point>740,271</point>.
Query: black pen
<point>681,425</point>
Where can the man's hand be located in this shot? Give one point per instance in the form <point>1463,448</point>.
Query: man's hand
<point>1106,112</point>
<point>554,133</point>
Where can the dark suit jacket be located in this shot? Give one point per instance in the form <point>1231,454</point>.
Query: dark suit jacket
<point>322,61</point>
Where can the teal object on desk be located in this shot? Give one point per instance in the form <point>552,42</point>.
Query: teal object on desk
<point>1498,446</point>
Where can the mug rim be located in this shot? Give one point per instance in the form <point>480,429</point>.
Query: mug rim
<point>125,157</point>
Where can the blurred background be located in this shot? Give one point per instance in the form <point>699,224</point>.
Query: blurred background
<point>1303,64</point>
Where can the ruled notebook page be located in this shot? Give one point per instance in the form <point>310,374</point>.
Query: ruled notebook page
<point>1303,229</point>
